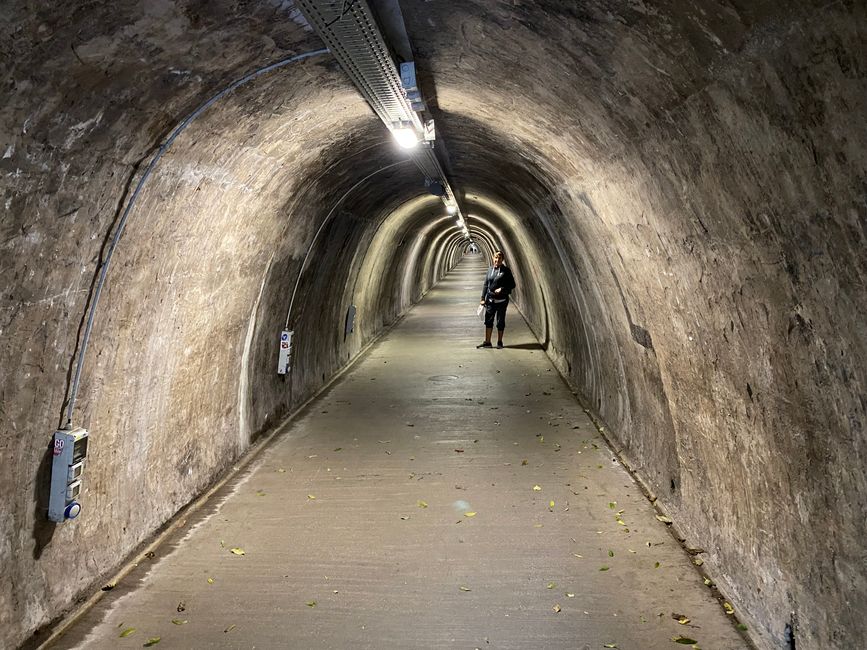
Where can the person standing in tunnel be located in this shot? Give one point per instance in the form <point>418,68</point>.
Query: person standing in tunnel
<point>499,283</point>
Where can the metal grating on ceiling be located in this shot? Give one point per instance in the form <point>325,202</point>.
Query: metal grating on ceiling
<point>351,33</point>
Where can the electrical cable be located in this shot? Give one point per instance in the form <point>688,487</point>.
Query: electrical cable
<point>325,221</point>
<point>122,223</point>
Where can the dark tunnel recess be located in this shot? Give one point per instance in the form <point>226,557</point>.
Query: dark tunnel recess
<point>680,188</point>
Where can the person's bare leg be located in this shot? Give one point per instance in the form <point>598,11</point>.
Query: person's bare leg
<point>488,332</point>
<point>499,337</point>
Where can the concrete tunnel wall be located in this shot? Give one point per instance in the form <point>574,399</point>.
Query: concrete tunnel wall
<point>680,187</point>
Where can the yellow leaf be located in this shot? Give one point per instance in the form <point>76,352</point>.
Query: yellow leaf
<point>210,581</point>
<point>556,608</point>
<point>551,585</point>
<point>541,438</point>
<point>469,514</point>
<point>151,642</point>
<point>178,621</point>
<point>238,551</point>
<point>127,632</point>
<point>463,588</point>
<point>570,595</point>
<point>230,628</point>
<point>683,620</point>
<point>311,603</point>
<point>311,497</point>
<point>422,504</point>
<point>537,488</point>
<point>729,609</point>
<point>281,470</point>
<point>663,519</point>
<point>551,504</point>
<point>576,555</point>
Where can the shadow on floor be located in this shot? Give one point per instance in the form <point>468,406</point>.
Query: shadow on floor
<point>526,346</point>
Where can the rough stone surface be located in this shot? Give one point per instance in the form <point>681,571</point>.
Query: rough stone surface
<point>411,506</point>
<point>681,188</point>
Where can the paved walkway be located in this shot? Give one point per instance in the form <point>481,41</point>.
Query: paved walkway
<point>437,496</point>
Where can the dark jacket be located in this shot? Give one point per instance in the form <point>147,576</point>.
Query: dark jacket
<point>500,278</point>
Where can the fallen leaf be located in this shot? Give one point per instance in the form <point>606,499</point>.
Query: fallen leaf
<point>551,503</point>
<point>469,514</point>
<point>551,585</point>
<point>742,627</point>
<point>463,588</point>
<point>127,632</point>
<point>664,519</point>
<point>260,493</point>
<point>656,566</point>
<point>210,582</point>
<point>612,504</point>
<point>178,621</point>
<point>460,451</point>
<point>238,551</point>
<point>311,603</point>
<point>610,553</point>
<point>404,517</point>
<point>610,645</point>
<point>524,462</point>
<point>181,606</point>
<point>422,504</point>
<point>281,470</point>
<point>708,582</point>
<point>537,488</point>
<point>604,568</point>
<point>570,595</point>
<point>541,438</point>
<point>684,640</point>
<point>576,555</point>
<point>680,618</point>
<point>230,628</point>
<point>151,642</point>
<point>729,609</point>
<point>311,497</point>
<point>556,608</point>
<point>698,561</point>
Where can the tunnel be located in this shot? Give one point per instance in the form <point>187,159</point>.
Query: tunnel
<point>680,189</point>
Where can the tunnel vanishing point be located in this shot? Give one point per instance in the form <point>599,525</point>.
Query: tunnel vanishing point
<point>679,186</point>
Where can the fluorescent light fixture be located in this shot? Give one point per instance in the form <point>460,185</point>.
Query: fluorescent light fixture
<point>405,134</point>
<point>460,223</point>
<point>451,208</point>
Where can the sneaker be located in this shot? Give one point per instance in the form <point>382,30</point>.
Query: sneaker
<point>485,344</point>
<point>500,345</point>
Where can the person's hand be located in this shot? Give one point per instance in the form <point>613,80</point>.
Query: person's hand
<point>498,289</point>
<point>481,302</point>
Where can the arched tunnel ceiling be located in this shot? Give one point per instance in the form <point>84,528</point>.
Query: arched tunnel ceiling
<point>678,186</point>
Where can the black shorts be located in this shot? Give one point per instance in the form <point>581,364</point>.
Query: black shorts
<point>497,309</point>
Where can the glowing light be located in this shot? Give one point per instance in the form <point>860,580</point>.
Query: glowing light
<point>451,208</point>
<point>406,136</point>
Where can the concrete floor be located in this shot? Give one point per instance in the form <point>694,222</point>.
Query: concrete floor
<point>355,523</point>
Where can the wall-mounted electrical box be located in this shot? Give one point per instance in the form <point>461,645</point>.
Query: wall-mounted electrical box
<point>70,452</point>
<point>284,361</point>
